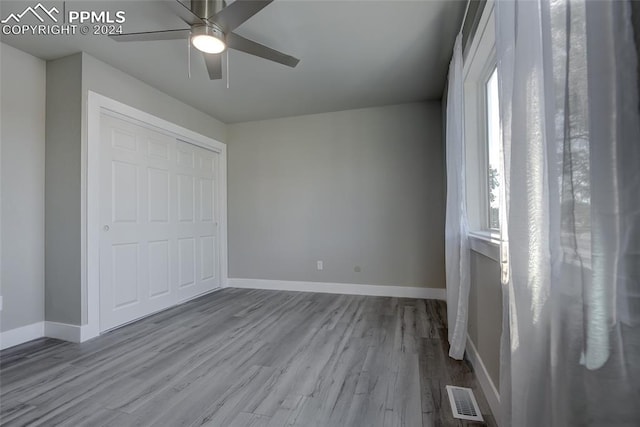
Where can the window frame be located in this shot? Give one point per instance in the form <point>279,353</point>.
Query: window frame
<point>479,62</point>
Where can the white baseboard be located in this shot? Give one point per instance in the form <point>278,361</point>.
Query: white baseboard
<point>21,335</point>
<point>63,331</point>
<point>75,333</point>
<point>88,332</point>
<point>488,387</point>
<point>340,288</point>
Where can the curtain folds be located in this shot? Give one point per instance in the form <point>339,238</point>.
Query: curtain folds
<point>568,83</point>
<point>456,228</point>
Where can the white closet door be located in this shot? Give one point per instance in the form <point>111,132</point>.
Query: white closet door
<point>158,241</point>
<point>197,225</point>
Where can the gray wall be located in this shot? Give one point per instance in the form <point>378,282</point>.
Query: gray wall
<point>63,261</point>
<point>22,149</point>
<point>360,188</point>
<point>68,82</point>
<point>635,21</point>
<point>102,78</point>
<point>485,312</point>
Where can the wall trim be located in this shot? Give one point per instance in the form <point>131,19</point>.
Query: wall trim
<point>486,384</point>
<point>63,331</point>
<point>20,335</point>
<point>66,331</point>
<point>340,288</point>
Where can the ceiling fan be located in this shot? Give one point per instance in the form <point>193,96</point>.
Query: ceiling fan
<point>211,24</point>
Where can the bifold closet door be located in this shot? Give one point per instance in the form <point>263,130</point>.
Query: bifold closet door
<point>158,243</point>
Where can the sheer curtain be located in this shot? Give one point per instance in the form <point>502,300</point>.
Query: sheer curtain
<point>456,228</point>
<point>568,82</point>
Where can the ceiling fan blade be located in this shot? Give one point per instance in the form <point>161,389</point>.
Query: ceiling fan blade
<point>183,12</point>
<point>232,16</point>
<point>151,35</point>
<point>237,42</point>
<point>214,65</point>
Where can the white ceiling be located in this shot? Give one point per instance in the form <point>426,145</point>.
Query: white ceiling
<point>353,54</point>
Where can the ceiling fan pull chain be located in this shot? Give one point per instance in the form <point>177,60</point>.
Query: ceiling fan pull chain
<point>227,63</point>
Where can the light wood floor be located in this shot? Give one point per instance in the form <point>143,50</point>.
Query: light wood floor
<point>246,358</point>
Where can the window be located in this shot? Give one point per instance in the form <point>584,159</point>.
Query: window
<point>493,150</point>
<point>482,130</point>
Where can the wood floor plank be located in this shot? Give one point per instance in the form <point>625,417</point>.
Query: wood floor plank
<point>11,410</point>
<point>250,358</point>
<point>286,410</point>
<point>231,403</point>
<point>247,419</point>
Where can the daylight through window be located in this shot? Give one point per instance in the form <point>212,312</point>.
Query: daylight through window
<point>493,150</point>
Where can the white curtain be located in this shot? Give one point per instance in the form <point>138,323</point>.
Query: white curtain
<point>456,239</point>
<point>568,83</point>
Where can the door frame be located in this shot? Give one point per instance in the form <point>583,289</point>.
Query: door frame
<point>97,105</point>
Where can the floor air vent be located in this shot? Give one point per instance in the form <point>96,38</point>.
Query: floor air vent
<point>463,403</point>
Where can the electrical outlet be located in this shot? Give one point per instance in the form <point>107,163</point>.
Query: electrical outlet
<point>320,265</point>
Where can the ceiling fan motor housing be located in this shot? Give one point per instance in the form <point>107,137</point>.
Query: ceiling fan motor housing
<point>207,30</point>
<point>207,8</point>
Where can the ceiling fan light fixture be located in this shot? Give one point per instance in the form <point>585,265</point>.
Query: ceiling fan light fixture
<point>208,39</point>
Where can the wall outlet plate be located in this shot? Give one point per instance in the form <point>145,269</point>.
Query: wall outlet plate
<point>320,265</point>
